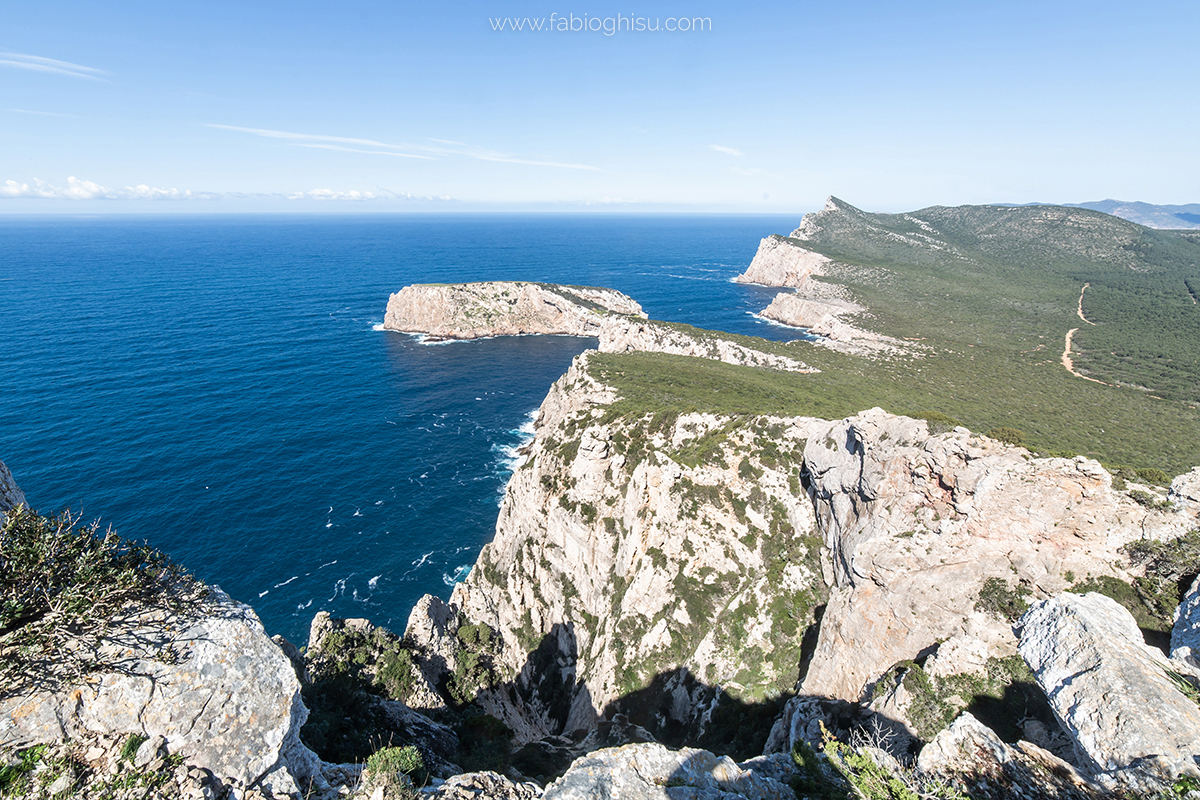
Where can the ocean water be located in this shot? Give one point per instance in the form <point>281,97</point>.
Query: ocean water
<point>216,385</point>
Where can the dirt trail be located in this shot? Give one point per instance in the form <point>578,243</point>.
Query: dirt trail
<point>1068,364</point>
<point>1079,311</point>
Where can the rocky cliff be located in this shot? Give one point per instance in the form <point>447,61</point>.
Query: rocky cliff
<point>506,308</point>
<point>661,563</point>
<point>11,495</point>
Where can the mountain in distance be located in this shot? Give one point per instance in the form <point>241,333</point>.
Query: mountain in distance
<point>1148,214</point>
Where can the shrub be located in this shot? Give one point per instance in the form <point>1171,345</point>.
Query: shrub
<point>1007,435</point>
<point>397,768</point>
<point>62,582</point>
<point>1002,601</point>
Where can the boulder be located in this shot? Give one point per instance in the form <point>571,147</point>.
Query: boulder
<point>208,685</point>
<point>1118,699</point>
<point>654,772</point>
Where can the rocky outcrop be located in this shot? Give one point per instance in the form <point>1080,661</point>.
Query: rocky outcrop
<point>503,308</point>
<point>1120,700</point>
<point>212,685</point>
<point>475,785</point>
<point>917,525</point>
<point>627,335</point>
<point>783,262</point>
<point>654,772</point>
<point>507,308</point>
<point>11,495</point>
<point>825,318</point>
<point>969,754</point>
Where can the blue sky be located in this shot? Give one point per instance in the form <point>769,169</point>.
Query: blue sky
<point>214,106</point>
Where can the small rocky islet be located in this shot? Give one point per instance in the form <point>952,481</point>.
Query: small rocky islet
<point>677,603</point>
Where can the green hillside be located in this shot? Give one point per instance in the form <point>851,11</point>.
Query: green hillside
<point>991,293</point>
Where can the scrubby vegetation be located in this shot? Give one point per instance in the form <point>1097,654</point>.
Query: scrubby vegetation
<point>66,588</point>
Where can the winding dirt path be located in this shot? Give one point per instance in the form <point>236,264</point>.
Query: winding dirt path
<point>1067,363</point>
<point>1079,311</point>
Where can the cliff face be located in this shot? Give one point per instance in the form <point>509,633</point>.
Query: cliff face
<point>503,308</point>
<point>780,262</point>
<point>680,548</point>
<point>651,557</point>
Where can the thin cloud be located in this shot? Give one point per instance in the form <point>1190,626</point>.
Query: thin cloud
<point>731,151</point>
<point>330,194</point>
<point>357,150</point>
<point>40,64</point>
<point>39,113</point>
<point>406,150</point>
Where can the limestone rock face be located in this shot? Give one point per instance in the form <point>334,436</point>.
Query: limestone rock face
<point>11,495</point>
<point>654,772</point>
<point>682,559</point>
<point>916,525</point>
<point>782,262</point>
<point>228,700</point>
<point>503,308</point>
<point>1113,694</point>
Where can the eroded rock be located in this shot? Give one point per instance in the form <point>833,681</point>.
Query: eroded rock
<point>1118,699</point>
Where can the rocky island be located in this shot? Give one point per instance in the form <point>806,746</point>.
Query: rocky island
<point>704,582</point>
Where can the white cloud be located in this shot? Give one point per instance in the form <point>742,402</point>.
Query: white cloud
<point>720,148</point>
<point>405,150</point>
<point>79,189</point>
<point>329,194</point>
<point>40,64</point>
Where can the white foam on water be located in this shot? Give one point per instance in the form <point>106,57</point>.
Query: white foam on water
<point>327,564</point>
<point>303,606</point>
<point>285,583</point>
<point>264,594</point>
<point>371,584</point>
<point>357,513</point>
<point>460,575</point>
<point>378,326</point>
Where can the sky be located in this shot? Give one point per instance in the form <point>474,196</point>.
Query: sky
<point>362,105</point>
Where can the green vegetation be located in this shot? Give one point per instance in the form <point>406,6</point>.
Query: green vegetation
<point>62,582</point>
<point>1168,571</point>
<point>990,295</point>
<point>351,668</point>
<point>1002,601</point>
<point>397,769</point>
<point>484,743</point>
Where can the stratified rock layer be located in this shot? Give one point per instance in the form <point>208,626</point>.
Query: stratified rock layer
<point>1115,696</point>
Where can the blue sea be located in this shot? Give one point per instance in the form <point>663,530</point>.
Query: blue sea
<point>218,387</point>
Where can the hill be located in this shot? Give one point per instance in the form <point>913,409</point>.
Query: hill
<point>991,293</point>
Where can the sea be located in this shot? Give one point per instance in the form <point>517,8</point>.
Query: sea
<point>221,388</point>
